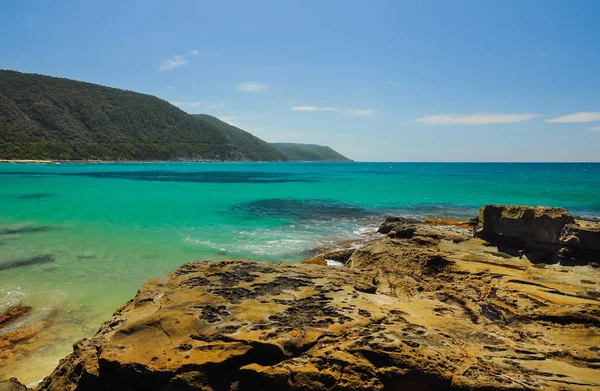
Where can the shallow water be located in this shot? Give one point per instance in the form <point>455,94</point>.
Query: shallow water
<point>77,240</point>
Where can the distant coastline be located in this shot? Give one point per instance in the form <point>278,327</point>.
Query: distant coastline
<point>69,120</point>
<point>33,161</point>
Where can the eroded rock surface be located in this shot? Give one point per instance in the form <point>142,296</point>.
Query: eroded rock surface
<point>12,385</point>
<point>433,310</point>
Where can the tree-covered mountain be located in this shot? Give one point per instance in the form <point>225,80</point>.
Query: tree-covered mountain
<point>309,153</point>
<point>44,117</point>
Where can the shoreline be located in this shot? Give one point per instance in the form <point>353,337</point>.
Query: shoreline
<point>24,161</point>
<point>408,300</point>
<point>413,278</point>
<point>51,161</point>
<point>33,161</point>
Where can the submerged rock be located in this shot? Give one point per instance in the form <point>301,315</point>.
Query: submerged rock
<point>34,196</point>
<point>27,262</point>
<point>12,314</point>
<point>22,230</point>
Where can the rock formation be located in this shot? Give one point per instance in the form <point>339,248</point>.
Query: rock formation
<point>546,235</point>
<point>423,307</point>
<point>11,385</point>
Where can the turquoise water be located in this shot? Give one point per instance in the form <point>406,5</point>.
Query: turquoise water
<point>104,229</point>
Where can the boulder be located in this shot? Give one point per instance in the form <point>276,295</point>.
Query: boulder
<point>523,223</point>
<point>392,221</point>
<point>402,230</point>
<point>542,234</point>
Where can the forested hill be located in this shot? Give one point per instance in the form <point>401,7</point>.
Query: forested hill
<point>309,153</point>
<point>44,117</point>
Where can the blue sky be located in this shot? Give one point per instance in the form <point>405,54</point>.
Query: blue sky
<point>376,80</point>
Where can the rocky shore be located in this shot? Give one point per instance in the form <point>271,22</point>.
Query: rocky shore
<point>507,301</point>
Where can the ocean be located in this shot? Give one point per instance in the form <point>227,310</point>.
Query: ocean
<point>78,240</point>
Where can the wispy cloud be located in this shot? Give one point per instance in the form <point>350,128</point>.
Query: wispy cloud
<point>595,129</point>
<point>182,104</point>
<point>352,112</point>
<point>173,63</point>
<point>587,116</point>
<point>361,113</point>
<point>314,108</point>
<point>177,61</point>
<point>230,120</point>
<point>187,104</point>
<point>473,119</point>
<point>252,86</point>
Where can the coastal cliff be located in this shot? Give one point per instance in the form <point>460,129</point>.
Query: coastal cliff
<point>479,305</point>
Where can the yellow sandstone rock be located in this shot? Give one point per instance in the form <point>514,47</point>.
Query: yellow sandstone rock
<point>426,307</point>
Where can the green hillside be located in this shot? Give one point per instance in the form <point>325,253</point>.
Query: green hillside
<point>242,137</point>
<point>309,153</point>
<point>44,117</point>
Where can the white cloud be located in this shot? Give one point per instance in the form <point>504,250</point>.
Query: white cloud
<point>352,112</point>
<point>473,119</point>
<point>314,108</point>
<point>192,104</point>
<point>595,129</point>
<point>587,116</point>
<point>182,104</point>
<point>177,61</point>
<point>251,86</point>
<point>230,120</point>
<point>173,63</point>
<point>170,87</point>
<point>361,113</point>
